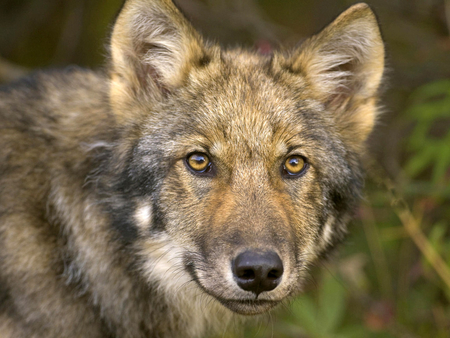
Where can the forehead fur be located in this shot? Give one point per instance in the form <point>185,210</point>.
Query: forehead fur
<point>243,100</point>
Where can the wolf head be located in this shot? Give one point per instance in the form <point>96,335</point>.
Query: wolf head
<point>236,171</point>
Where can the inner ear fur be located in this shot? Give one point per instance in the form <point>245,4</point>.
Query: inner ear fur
<point>153,47</point>
<point>343,66</point>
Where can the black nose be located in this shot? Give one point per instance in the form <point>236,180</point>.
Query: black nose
<point>257,271</point>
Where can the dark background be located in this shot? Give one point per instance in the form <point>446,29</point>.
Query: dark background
<point>392,278</point>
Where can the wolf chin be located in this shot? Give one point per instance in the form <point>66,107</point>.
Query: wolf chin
<point>187,186</point>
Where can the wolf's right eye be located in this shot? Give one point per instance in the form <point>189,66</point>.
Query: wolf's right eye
<point>294,166</point>
<point>199,163</point>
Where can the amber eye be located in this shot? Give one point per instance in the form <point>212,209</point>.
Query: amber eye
<point>294,165</point>
<point>198,162</point>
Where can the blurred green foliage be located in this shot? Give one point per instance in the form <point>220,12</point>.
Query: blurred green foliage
<point>430,109</point>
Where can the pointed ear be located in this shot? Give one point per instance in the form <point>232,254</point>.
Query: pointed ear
<point>153,47</point>
<point>343,65</point>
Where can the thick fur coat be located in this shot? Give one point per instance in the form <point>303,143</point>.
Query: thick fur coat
<point>187,185</point>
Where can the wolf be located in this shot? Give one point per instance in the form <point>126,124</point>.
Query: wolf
<point>184,187</point>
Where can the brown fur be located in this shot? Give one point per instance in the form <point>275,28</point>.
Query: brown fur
<point>105,231</point>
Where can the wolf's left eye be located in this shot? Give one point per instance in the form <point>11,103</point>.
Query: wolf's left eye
<point>199,163</point>
<point>294,166</point>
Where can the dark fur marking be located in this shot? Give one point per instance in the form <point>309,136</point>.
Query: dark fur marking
<point>120,208</point>
<point>5,297</point>
<point>122,223</point>
<point>158,221</point>
<point>135,182</point>
<point>30,84</point>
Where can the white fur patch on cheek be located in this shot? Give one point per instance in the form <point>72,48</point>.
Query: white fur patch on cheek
<point>312,248</point>
<point>328,231</point>
<point>143,215</point>
<point>163,263</point>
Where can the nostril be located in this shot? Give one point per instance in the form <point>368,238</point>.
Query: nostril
<point>274,274</point>
<point>246,274</point>
<point>257,271</point>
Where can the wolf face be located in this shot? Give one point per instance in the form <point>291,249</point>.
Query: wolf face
<point>244,167</point>
<point>187,185</point>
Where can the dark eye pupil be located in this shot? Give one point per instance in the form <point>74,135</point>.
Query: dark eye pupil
<point>294,162</point>
<point>200,159</point>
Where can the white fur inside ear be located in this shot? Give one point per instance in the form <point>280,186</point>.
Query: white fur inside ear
<point>153,48</point>
<point>167,50</point>
<point>339,63</point>
<point>346,58</point>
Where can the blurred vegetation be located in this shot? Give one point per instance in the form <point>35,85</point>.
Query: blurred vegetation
<point>392,277</point>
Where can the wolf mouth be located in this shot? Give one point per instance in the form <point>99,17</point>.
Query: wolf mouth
<point>241,306</point>
<point>248,306</point>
